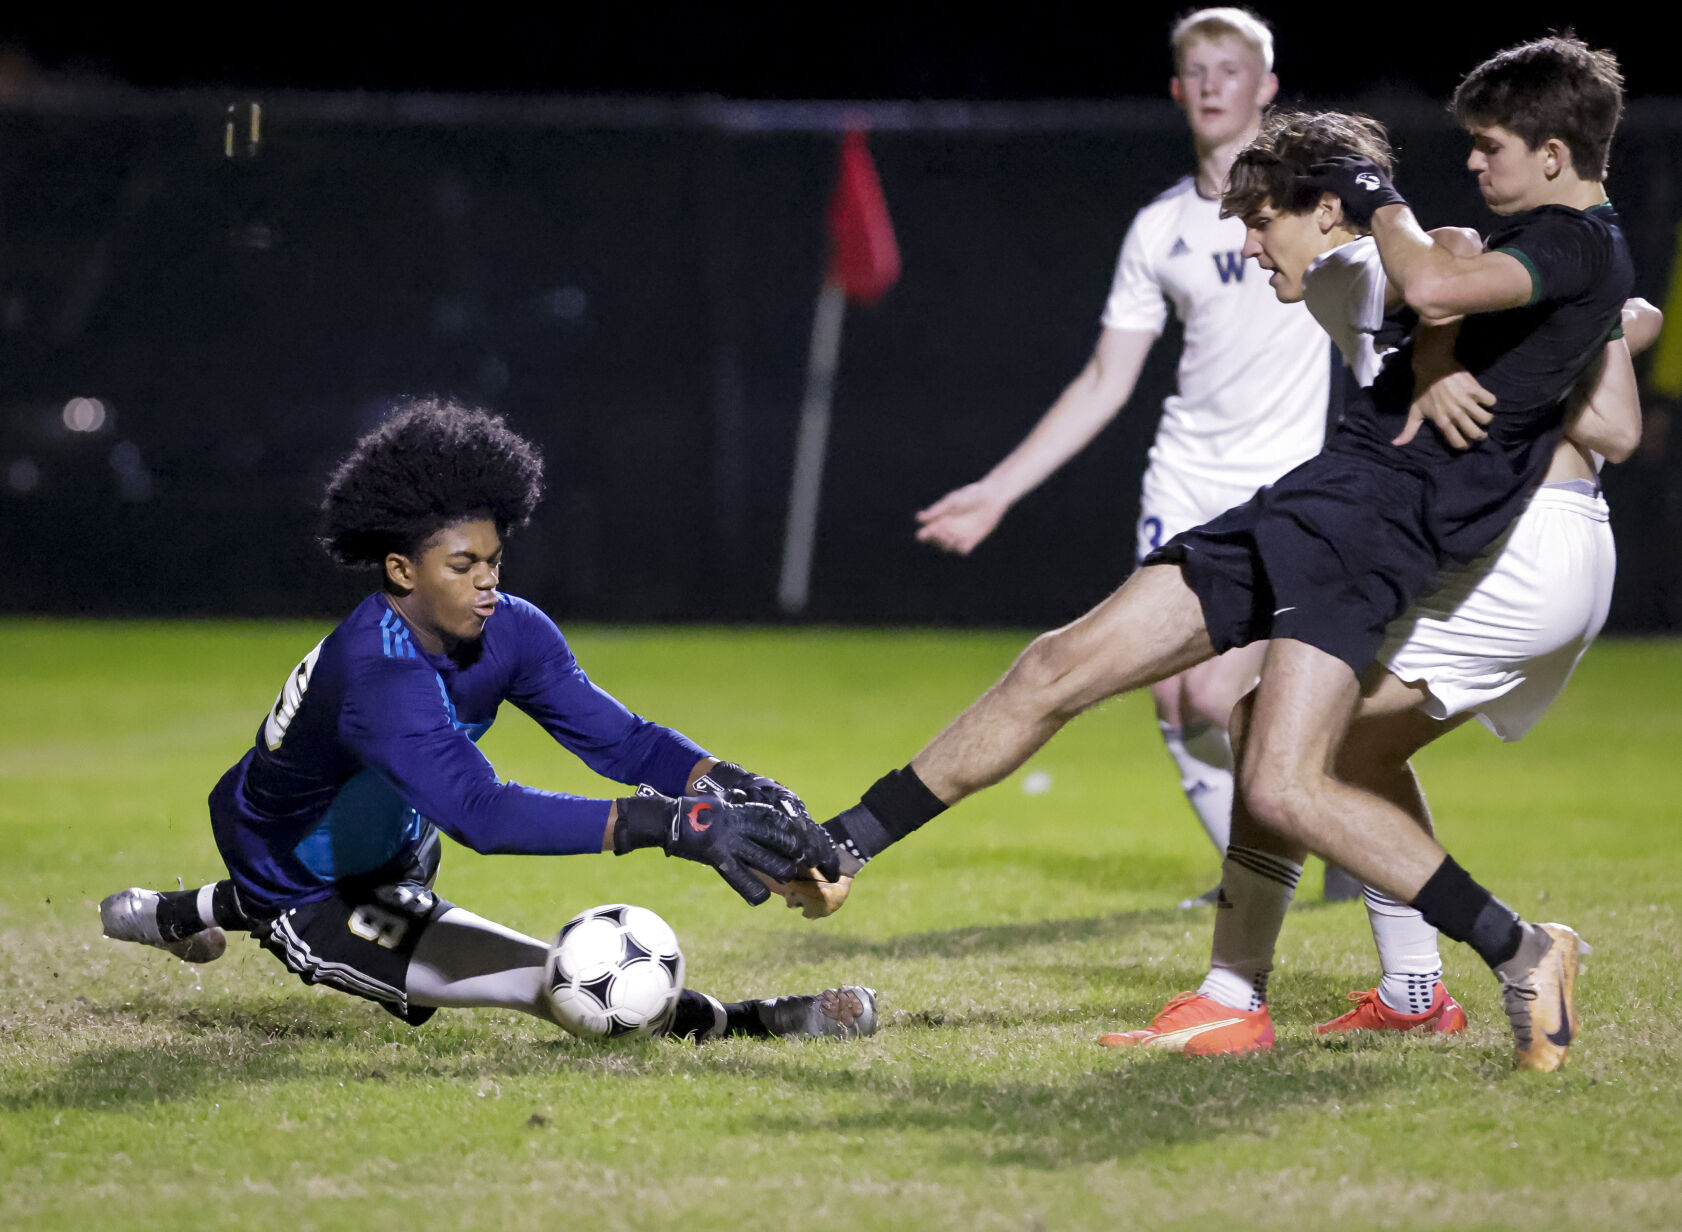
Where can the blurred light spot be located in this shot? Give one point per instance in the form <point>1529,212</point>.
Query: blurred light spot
<point>125,458</point>
<point>23,476</point>
<point>84,414</point>
<point>566,303</point>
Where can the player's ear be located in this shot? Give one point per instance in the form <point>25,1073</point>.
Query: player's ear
<point>1177,90</point>
<point>1266,89</point>
<point>1328,212</point>
<point>399,572</point>
<point>1556,157</point>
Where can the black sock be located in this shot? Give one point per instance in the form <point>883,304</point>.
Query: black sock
<point>1462,910</point>
<point>178,911</point>
<point>178,914</point>
<point>896,804</point>
<point>225,905</point>
<point>695,1019</point>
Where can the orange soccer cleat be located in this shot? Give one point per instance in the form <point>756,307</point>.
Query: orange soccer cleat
<point>1199,1026</point>
<point>1445,1016</point>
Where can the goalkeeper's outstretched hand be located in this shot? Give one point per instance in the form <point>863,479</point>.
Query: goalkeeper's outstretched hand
<point>740,786</point>
<point>738,840</point>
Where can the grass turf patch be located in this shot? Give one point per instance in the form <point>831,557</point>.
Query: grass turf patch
<point>1003,938</point>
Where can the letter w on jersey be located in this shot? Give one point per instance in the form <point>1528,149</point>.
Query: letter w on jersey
<point>1230,265</point>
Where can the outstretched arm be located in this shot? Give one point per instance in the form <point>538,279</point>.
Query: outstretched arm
<point>964,517</point>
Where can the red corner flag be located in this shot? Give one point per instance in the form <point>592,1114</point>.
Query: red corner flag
<point>864,256</point>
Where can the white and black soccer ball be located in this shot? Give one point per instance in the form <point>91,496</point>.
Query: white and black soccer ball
<point>614,970</point>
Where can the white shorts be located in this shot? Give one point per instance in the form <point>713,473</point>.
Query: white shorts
<point>1501,636</point>
<point>1170,503</point>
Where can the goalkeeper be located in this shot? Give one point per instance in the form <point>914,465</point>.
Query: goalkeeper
<point>329,824</point>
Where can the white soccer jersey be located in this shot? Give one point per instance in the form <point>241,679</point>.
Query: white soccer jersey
<point>1345,289</point>
<point>1254,374</point>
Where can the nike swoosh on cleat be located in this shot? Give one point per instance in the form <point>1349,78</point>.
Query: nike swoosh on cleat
<point>1562,1037</point>
<point>1186,1034</point>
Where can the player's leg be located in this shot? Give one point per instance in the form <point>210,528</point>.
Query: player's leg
<point>1151,628</point>
<point>1285,777</point>
<point>1390,728</point>
<point>190,924</point>
<point>1228,1012</point>
<point>1192,709</point>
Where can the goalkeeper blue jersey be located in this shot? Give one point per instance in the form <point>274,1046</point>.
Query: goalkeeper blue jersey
<point>372,743</point>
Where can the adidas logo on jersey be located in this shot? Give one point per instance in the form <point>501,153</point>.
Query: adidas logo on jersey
<point>1180,248</point>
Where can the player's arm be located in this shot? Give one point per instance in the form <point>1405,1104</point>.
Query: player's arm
<point>1445,394</point>
<point>1433,279</point>
<point>964,517</point>
<point>1605,415</point>
<point>1438,284</point>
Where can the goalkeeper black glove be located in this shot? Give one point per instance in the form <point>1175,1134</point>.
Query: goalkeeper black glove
<point>740,786</point>
<point>1359,183</point>
<point>732,838</point>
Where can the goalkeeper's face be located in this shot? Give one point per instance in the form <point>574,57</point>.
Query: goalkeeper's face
<point>447,590</point>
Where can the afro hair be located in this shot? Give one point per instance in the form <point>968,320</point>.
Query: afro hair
<point>431,464</point>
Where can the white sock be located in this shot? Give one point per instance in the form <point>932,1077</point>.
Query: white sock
<point>464,960</point>
<point>1256,890</point>
<point>1204,757</point>
<point>1407,950</point>
<point>205,903</point>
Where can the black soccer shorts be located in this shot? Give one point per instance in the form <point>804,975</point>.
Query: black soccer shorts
<point>362,938</point>
<point>1329,555</point>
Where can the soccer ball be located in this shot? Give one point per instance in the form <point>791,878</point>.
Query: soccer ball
<point>614,970</point>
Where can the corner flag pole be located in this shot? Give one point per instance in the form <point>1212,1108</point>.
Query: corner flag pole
<point>863,264</point>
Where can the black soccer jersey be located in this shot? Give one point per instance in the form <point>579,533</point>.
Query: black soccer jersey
<point>1528,357</point>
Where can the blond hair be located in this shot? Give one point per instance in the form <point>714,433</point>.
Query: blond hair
<point>1219,23</point>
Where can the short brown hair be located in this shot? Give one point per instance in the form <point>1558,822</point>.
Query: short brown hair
<point>1557,86</point>
<point>1272,169</point>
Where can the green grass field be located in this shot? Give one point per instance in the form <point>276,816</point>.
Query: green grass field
<point>138,1092</point>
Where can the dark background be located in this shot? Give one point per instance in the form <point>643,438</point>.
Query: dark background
<point>611,229</point>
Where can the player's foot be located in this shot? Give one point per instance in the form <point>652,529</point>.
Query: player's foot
<point>845,1011</point>
<point>1537,985</point>
<point>1208,898</point>
<point>1199,1026</point>
<point>1444,1017</point>
<point>1341,886</point>
<point>132,915</point>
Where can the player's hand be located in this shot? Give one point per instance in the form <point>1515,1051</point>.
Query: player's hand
<point>961,519</point>
<point>738,786</point>
<point>1361,184</point>
<point>739,840</point>
<point>1453,401</point>
<point>815,895</point>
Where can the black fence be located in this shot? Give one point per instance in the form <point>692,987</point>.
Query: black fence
<point>631,282</point>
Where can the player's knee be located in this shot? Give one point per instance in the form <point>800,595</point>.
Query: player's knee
<point>1277,798</point>
<point>1047,672</point>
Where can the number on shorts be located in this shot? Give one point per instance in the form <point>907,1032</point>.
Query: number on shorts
<point>1153,531</point>
<point>384,928</point>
